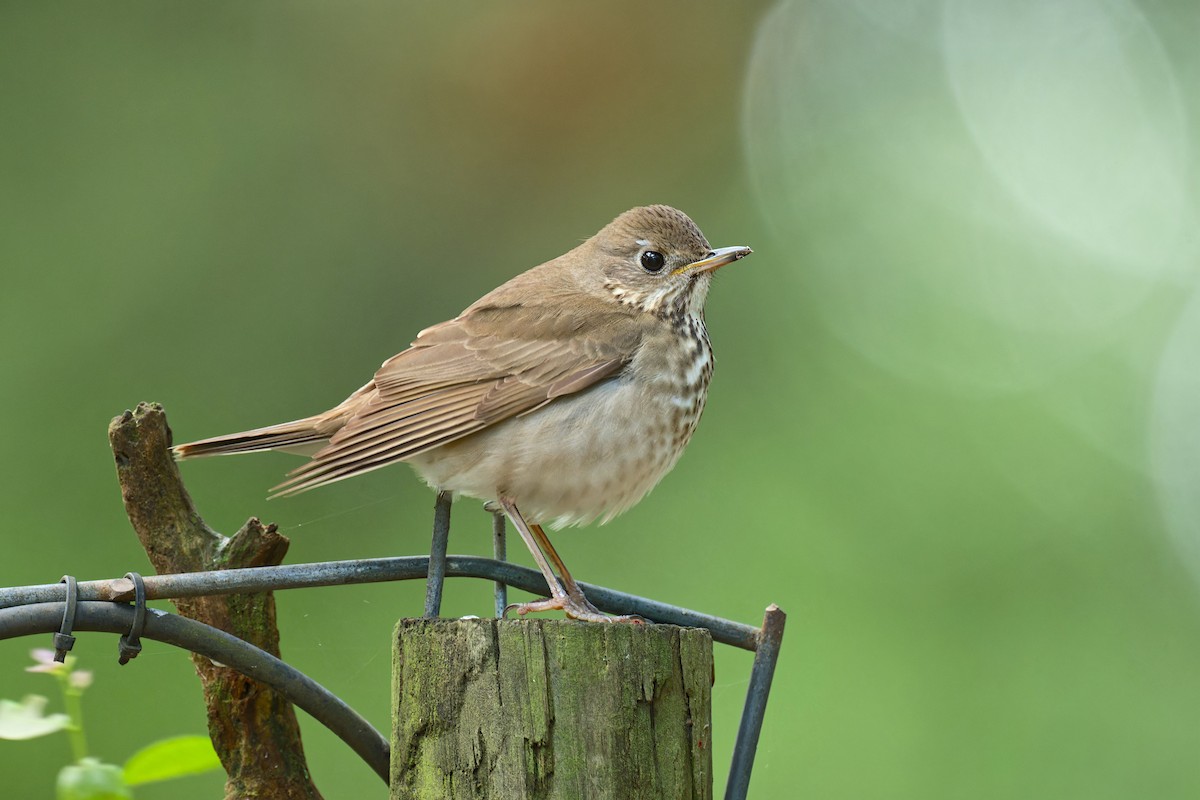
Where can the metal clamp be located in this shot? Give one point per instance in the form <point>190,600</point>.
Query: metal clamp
<point>131,643</point>
<point>63,640</point>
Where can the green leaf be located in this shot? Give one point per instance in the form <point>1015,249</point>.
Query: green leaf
<point>24,720</point>
<point>171,758</point>
<point>91,780</point>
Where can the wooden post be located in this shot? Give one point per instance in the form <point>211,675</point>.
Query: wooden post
<point>550,710</point>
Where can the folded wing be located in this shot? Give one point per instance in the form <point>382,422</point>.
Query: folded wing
<point>459,377</point>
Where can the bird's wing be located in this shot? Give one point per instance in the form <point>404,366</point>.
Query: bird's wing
<point>461,376</point>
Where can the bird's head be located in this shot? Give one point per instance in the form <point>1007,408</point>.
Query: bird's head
<point>656,259</point>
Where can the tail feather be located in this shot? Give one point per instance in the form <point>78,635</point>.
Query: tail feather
<point>301,436</point>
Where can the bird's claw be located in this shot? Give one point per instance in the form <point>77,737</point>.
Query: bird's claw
<point>575,608</point>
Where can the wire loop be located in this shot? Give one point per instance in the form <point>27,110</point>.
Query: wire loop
<point>131,643</point>
<point>64,640</point>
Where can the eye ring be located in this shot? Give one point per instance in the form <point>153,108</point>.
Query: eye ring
<point>653,261</point>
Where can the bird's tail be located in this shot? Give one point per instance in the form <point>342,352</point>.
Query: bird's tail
<point>302,436</point>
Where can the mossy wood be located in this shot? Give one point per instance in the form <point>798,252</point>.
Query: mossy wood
<point>550,710</point>
<point>253,729</point>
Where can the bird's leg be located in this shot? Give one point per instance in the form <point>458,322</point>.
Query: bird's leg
<point>556,591</point>
<point>573,603</point>
<point>569,585</point>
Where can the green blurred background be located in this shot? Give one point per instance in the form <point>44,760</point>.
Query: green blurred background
<point>954,431</point>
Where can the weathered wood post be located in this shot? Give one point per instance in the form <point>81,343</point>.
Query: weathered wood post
<point>550,710</point>
<point>253,728</point>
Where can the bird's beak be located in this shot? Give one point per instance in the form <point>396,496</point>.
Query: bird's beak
<point>716,259</point>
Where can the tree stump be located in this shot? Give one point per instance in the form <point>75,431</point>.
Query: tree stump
<point>253,728</point>
<point>550,710</point>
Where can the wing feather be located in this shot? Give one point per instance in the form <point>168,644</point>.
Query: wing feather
<point>379,451</point>
<point>491,363</point>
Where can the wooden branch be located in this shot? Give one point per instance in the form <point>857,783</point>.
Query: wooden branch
<point>253,729</point>
<point>550,710</point>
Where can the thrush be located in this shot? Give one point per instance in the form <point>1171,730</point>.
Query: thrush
<point>561,397</point>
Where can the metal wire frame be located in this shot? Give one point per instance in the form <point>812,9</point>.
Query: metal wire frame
<point>224,648</point>
<point>32,609</point>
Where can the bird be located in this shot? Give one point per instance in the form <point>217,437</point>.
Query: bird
<point>561,397</point>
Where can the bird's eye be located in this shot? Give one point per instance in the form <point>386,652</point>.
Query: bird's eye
<point>653,261</point>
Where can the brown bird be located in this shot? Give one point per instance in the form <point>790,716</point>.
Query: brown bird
<point>561,397</point>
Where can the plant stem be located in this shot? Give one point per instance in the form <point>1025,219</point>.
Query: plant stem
<point>71,701</point>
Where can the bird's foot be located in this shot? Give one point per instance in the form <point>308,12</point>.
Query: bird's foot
<point>574,605</point>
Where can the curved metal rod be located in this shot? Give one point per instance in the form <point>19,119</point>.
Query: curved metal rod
<point>303,691</point>
<point>374,570</point>
<point>759,689</point>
